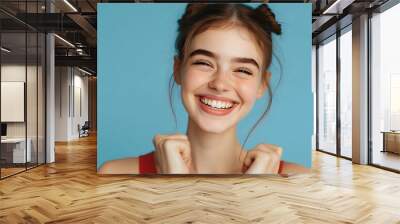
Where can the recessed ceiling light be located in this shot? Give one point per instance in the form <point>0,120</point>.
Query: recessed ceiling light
<point>84,71</point>
<point>337,7</point>
<point>64,40</point>
<point>5,50</point>
<point>70,5</point>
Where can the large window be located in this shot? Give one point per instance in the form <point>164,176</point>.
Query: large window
<point>334,138</point>
<point>346,92</point>
<point>385,89</point>
<point>327,96</point>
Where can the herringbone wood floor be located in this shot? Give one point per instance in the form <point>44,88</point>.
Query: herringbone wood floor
<point>70,191</point>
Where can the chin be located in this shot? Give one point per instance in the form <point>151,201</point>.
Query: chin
<point>213,127</point>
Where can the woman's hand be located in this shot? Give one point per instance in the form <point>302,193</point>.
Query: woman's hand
<point>263,159</point>
<point>173,154</point>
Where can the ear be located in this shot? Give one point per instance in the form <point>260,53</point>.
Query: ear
<point>264,84</point>
<point>177,75</point>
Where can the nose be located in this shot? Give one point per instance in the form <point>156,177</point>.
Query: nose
<point>219,82</point>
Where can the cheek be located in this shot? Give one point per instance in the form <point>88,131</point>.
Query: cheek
<point>193,79</point>
<point>248,92</point>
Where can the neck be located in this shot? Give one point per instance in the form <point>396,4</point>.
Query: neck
<point>216,153</point>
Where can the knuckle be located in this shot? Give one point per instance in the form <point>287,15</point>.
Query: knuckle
<point>263,147</point>
<point>157,138</point>
<point>279,150</point>
<point>269,155</point>
<point>262,153</point>
<point>167,144</point>
<point>270,148</point>
<point>183,142</point>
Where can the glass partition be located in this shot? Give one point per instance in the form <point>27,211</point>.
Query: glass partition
<point>327,96</point>
<point>14,153</point>
<point>22,88</point>
<point>385,89</point>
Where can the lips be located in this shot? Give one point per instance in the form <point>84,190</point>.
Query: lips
<point>216,105</point>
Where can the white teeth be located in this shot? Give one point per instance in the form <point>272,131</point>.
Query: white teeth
<point>216,104</point>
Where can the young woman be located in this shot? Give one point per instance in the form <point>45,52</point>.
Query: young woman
<point>222,60</point>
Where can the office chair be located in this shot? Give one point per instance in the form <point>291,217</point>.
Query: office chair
<point>84,130</point>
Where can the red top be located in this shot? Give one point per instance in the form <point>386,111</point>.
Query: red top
<point>147,164</point>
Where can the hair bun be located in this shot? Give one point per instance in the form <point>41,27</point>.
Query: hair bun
<point>270,17</point>
<point>193,8</point>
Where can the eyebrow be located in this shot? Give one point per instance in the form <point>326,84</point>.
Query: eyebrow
<point>212,55</point>
<point>203,52</point>
<point>247,60</point>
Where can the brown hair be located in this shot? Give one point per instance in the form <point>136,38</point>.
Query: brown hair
<point>259,21</point>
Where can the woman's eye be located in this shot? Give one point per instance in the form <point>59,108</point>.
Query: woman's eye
<point>245,71</point>
<point>202,63</point>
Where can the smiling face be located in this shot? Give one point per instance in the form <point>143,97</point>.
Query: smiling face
<point>221,77</point>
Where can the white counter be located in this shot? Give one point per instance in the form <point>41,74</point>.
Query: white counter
<point>19,149</point>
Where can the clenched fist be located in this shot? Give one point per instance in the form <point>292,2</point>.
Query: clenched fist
<point>173,154</point>
<point>263,159</point>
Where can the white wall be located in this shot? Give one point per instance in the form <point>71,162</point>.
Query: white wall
<point>71,87</point>
<point>33,127</point>
<point>16,72</point>
<point>79,117</point>
<point>12,100</point>
<point>62,81</point>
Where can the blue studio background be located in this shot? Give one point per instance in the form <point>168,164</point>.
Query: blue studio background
<point>135,62</point>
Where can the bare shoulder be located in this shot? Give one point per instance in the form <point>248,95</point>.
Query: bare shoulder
<point>120,166</point>
<point>293,168</point>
